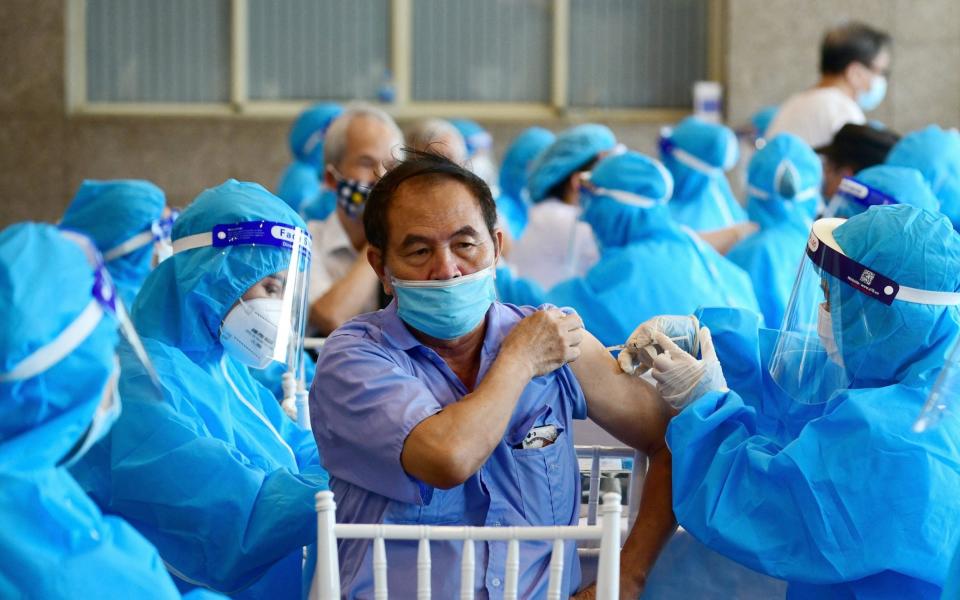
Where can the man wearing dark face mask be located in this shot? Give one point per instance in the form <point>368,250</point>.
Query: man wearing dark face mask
<point>448,407</point>
<point>358,147</point>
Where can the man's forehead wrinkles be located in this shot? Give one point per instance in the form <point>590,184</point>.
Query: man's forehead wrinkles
<point>420,237</point>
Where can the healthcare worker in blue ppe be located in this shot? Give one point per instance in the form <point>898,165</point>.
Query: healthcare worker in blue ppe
<point>783,194</point>
<point>479,144</point>
<point>301,184</point>
<point>513,204</point>
<point>880,185</point>
<point>514,199</point>
<point>807,469</point>
<point>698,154</point>
<point>556,244</point>
<point>215,475</point>
<point>760,121</point>
<point>935,152</point>
<point>58,396</point>
<point>648,265</point>
<point>130,223</point>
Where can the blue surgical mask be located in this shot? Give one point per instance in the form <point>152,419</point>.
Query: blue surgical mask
<point>446,309</point>
<point>872,98</point>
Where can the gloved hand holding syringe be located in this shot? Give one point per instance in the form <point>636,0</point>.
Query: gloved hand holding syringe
<point>641,348</point>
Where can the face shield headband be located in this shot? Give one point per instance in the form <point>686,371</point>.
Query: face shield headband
<point>868,281</point>
<point>667,147</point>
<point>160,231</point>
<point>859,194</point>
<point>630,198</point>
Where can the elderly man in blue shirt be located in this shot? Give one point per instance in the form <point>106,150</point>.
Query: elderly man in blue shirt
<point>448,407</point>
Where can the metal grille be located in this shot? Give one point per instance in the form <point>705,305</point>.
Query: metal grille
<point>636,53</point>
<point>492,50</point>
<point>149,51</point>
<point>310,49</point>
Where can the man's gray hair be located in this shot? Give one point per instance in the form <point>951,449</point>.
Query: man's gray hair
<point>426,136</point>
<point>335,142</point>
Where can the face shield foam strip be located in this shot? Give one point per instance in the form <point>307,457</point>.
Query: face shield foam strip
<point>863,194</point>
<point>248,233</point>
<point>869,282</point>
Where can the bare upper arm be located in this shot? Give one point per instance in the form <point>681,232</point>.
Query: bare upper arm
<point>627,407</point>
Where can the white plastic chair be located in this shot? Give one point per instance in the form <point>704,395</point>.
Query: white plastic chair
<point>313,343</point>
<point>326,582</point>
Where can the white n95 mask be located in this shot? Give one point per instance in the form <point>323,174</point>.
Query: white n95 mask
<point>825,332</point>
<point>249,331</point>
<point>102,422</point>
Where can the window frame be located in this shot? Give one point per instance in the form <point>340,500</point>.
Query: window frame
<point>401,62</point>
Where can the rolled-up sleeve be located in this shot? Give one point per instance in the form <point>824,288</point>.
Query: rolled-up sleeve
<point>363,405</point>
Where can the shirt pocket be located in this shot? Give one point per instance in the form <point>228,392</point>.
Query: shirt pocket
<point>548,481</point>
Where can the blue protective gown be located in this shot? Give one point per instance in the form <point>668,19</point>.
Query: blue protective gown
<point>702,202</point>
<point>272,377</point>
<point>214,473</point>
<point>697,154</point>
<point>648,266</point>
<point>112,212</point>
<point>952,587</point>
<point>301,180</point>
<point>935,152</point>
<point>841,498</point>
<point>54,541</point>
<point>771,256</point>
<point>783,192</point>
<point>513,201</point>
<point>320,206</point>
<point>519,291</point>
<point>299,184</point>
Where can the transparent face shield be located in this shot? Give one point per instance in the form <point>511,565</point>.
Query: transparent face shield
<point>944,396</point>
<point>810,362</point>
<point>268,321</point>
<point>104,300</point>
<point>853,197</point>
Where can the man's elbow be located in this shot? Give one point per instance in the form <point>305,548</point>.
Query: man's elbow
<point>325,319</point>
<point>445,470</point>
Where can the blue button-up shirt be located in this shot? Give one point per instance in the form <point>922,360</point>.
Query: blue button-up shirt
<point>375,382</point>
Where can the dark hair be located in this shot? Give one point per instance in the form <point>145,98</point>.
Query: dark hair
<point>859,146</point>
<point>559,188</point>
<point>850,43</point>
<point>433,167</point>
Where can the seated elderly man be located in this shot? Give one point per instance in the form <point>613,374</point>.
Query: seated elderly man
<point>358,146</point>
<point>448,407</point>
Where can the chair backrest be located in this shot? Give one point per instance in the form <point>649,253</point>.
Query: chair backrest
<point>596,455</point>
<point>314,343</point>
<point>326,582</point>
